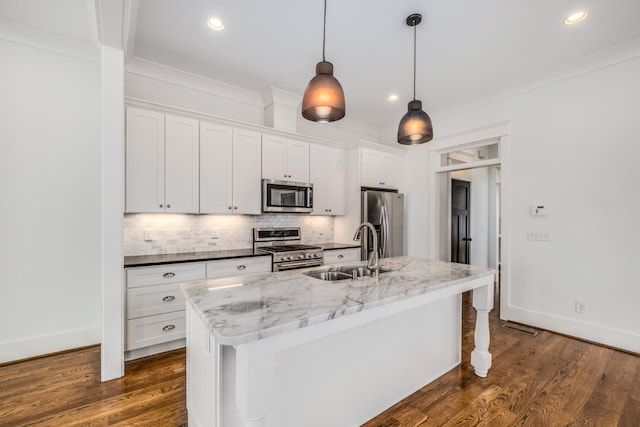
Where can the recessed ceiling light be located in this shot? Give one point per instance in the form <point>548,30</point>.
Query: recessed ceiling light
<point>393,98</point>
<point>215,24</point>
<point>576,17</point>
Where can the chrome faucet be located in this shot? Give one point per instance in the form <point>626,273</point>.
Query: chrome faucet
<point>372,264</point>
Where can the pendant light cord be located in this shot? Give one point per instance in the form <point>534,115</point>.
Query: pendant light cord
<point>324,29</point>
<point>414,60</point>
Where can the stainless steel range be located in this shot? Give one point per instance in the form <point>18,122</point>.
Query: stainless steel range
<point>283,243</point>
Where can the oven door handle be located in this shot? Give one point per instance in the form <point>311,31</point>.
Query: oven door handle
<point>297,264</point>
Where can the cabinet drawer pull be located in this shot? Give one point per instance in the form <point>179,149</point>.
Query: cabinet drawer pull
<point>340,256</point>
<point>168,275</point>
<point>168,298</point>
<point>169,327</point>
<point>241,267</point>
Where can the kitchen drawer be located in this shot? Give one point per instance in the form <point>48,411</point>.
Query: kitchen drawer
<point>155,330</point>
<point>335,256</point>
<point>150,300</point>
<point>167,273</point>
<point>238,266</point>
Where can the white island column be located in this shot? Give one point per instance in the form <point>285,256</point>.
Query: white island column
<point>480,356</point>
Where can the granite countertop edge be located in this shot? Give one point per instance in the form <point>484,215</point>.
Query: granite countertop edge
<point>176,258</point>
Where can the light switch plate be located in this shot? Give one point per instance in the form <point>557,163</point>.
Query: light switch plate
<point>541,236</point>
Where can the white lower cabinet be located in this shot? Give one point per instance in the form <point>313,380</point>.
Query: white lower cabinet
<point>335,256</point>
<point>155,305</point>
<point>238,266</point>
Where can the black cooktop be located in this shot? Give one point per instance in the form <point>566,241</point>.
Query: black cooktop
<point>287,248</point>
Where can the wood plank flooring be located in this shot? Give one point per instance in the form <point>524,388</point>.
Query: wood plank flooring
<point>546,380</point>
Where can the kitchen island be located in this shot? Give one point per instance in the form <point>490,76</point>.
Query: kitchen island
<point>286,349</point>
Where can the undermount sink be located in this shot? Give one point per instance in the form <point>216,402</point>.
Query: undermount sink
<point>343,273</point>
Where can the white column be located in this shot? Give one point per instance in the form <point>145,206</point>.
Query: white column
<point>483,303</point>
<point>255,380</point>
<point>112,351</point>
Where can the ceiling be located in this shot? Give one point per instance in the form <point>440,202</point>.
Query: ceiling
<point>464,47</point>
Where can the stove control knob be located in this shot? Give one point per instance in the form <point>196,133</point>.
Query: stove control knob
<point>301,256</point>
<point>316,256</point>
<point>288,258</point>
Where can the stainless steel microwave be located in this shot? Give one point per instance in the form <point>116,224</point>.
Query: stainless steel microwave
<point>286,196</point>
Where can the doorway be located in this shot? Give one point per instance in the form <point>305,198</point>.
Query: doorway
<point>460,224</point>
<point>481,157</point>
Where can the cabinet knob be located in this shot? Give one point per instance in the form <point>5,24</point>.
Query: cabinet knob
<point>340,256</point>
<point>161,205</point>
<point>229,207</point>
<point>168,206</point>
<point>168,298</point>
<point>169,327</point>
<point>241,267</point>
<point>235,207</point>
<point>169,274</point>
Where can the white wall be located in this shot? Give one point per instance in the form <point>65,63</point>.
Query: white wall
<point>479,220</point>
<point>574,147</point>
<point>50,192</point>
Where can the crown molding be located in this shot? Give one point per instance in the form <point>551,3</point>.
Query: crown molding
<point>605,58</point>
<point>153,70</point>
<point>38,38</point>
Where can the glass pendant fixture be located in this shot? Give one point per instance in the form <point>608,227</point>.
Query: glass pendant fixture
<point>415,127</point>
<point>323,99</point>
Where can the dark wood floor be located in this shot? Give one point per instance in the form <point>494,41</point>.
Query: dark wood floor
<point>547,380</point>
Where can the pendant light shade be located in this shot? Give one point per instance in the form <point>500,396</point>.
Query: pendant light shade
<point>415,127</point>
<point>323,99</point>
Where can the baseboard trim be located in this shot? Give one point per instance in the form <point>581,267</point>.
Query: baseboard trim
<point>598,334</point>
<point>39,346</point>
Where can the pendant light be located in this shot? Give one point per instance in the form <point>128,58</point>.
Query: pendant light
<point>323,99</point>
<point>415,127</point>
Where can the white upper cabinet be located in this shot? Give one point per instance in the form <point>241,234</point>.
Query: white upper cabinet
<point>144,161</point>
<point>379,169</point>
<point>327,171</point>
<point>285,159</point>
<point>230,170</point>
<point>247,190</point>
<point>216,168</point>
<point>162,170</point>
<point>181,165</point>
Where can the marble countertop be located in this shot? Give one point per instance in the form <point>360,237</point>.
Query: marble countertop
<point>146,260</point>
<point>247,308</point>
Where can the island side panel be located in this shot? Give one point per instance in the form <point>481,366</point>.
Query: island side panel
<point>203,378</point>
<point>483,304</point>
<point>344,378</point>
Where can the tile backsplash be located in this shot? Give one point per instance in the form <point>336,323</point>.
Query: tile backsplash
<point>175,233</point>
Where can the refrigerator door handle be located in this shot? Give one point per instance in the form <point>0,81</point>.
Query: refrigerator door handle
<point>384,232</point>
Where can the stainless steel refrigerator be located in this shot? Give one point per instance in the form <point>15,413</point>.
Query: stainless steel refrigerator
<point>385,210</point>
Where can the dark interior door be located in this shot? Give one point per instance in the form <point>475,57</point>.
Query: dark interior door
<point>460,232</point>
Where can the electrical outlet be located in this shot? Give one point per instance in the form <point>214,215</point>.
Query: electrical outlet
<point>147,236</point>
<point>581,307</point>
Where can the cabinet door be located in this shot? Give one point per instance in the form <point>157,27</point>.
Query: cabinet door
<point>379,169</point>
<point>336,181</point>
<point>216,172</point>
<point>297,161</point>
<point>274,155</point>
<point>318,177</point>
<point>246,172</point>
<point>182,177</point>
<point>144,161</point>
